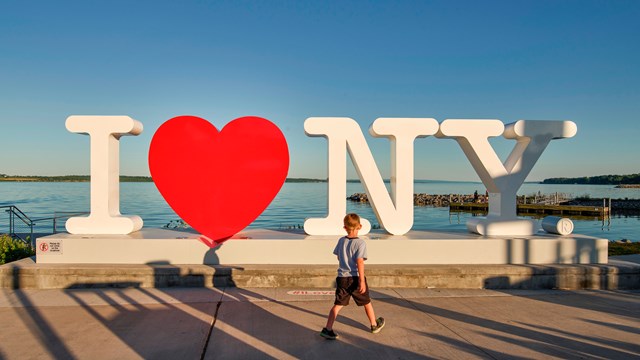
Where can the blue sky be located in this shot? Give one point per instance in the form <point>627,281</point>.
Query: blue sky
<point>286,61</point>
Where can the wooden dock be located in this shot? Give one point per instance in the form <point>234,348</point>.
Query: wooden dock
<point>537,209</point>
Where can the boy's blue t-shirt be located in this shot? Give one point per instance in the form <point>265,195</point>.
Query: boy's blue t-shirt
<point>348,251</point>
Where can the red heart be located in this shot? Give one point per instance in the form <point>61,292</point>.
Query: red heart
<point>218,182</point>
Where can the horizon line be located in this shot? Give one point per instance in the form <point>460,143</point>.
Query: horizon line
<point>289,179</point>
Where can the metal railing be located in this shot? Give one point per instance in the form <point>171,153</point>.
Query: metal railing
<point>545,199</point>
<point>61,215</point>
<point>20,226</point>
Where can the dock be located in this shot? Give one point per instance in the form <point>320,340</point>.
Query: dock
<point>538,209</point>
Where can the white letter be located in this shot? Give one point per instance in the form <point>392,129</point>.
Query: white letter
<point>105,133</point>
<point>344,134</point>
<point>503,181</point>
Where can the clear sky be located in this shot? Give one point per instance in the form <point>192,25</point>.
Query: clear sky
<point>287,61</point>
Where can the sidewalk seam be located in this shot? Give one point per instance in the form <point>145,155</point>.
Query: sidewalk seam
<point>213,323</point>
<point>448,328</point>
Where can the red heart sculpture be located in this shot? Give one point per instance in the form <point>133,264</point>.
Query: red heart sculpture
<point>218,182</point>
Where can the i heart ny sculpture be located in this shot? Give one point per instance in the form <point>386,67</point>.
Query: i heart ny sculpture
<point>218,181</point>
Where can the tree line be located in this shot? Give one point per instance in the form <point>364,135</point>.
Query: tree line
<point>597,180</point>
<point>67,178</point>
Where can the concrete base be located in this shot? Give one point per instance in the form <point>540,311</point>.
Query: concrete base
<point>159,246</point>
<point>26,274</point>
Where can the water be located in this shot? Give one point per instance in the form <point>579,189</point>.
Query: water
<point>297,201</point>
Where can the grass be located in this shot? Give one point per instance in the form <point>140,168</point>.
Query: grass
<point>616,248</point>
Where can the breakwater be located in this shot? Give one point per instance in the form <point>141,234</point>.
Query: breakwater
<point>427,199</point>
<point>618,206</point>
<point>443,200</point>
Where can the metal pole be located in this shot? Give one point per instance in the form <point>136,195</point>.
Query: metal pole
<point>10,220</point>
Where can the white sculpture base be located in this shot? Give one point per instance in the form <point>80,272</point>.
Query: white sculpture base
<point>499,227</point>
<point>159,246</point>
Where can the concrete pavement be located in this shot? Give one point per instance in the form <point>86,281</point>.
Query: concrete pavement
<point>258,323</point>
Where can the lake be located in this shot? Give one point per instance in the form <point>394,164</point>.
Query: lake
<point>297,201</point>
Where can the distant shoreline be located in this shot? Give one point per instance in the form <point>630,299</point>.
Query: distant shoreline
<point>69,178</point>
<point>86,178</point>
<point>621,180</point>
<point>123,178</point>
<point>127,178</point>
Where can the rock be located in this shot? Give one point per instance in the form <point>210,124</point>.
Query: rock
<point>425,199</point>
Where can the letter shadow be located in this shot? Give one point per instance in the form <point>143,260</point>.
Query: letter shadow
<point>123,319</point>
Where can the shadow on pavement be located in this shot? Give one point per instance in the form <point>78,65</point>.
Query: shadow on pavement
<point>122,320</point>
<point>41,329</point>
<point>255,327</point>
<point>480,324</point>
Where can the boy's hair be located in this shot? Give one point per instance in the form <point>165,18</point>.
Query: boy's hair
<point>351,221</point>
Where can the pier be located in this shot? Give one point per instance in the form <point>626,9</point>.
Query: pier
<point>538,209</point>
<point>543,204</point>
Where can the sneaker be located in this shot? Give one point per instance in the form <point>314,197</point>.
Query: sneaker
<point>378,326</point>
<point>328,334</point>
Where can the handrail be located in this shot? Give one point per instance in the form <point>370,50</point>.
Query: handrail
<point>21,213</point>
<point>66,214</point>
<point>14,213</point>
<point>22,216</point>
<point>14,207</point>
<point>17,212</point>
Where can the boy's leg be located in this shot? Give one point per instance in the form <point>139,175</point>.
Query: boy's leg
<point>333,314</point>
<point>342,300</point>
<point>370,314</point>
<point>365,299</point>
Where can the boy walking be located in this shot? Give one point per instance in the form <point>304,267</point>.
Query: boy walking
<point>351,282</point>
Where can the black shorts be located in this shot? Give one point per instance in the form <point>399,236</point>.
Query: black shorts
<point>347,287</point>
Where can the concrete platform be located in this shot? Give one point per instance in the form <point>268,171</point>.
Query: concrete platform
<point>160,246</point>
<point>619,273</point>
<point>235,323</point>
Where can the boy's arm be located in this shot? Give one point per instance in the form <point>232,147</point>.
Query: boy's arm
<point>363,285</point>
